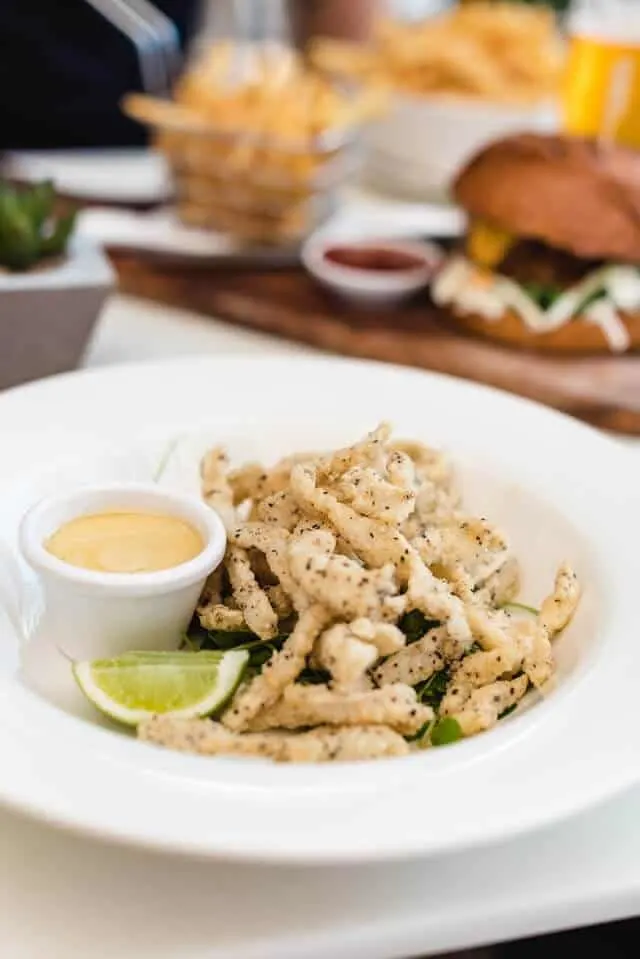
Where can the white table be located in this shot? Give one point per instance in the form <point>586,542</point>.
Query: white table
<point>62,896</point>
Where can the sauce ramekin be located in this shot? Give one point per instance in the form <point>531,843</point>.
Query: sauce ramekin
<point>371,287</point>
<point>90,614</point>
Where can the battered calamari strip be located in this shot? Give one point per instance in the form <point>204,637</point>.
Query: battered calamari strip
<point>502,586</point>
<point>279,600</point>
<point>324,744</point>
<point>373,496</point>
<point>212,592</point>
<point>313,536</point>
<point>433,507</point>
<point>216,490</point>
<point>434,598</point>
<point>556,613</point>
<point>369,451</point>
<point>401,471</point>
<point>301,706</point>
<point>489,627</point>
<point>386,637</point>
<point>430,465</point>
<point>279,509</point>
<point>282,669</point>
<point>342,585</point>
<point>557,609</point>
<point>213,612</point>
<point>253,481</point>
<point>475,671</point>
<point>513,646</point>
<point>251,599</point>
<point>221,617</point>
<point>345,657</point>
<point>538,662</point>
<point>468,549</point>
<point>416,662</point>
<point>486,705</point>
<point>374,542</point>
<point>274,544</point>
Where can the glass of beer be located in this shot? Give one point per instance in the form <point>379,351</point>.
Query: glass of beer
<point>602,91</point>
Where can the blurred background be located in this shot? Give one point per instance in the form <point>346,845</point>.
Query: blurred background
<point>227,135</point>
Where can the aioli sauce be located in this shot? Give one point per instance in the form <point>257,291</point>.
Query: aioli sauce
<point>125,542</point>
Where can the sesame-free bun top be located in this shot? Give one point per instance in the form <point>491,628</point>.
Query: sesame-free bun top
<point>572,194</point>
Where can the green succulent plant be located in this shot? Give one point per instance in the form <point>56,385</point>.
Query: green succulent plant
<point>560,5</point>
<point>30,231</point>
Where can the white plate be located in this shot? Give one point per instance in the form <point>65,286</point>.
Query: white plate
<point>360,214</point>
<point>561,489</point>
<point>115,175</point>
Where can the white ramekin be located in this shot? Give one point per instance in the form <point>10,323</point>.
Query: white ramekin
<point>91,615</point>
<point>372,288</point>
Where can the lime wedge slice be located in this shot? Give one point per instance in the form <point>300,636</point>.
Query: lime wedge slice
<point>135,686</point>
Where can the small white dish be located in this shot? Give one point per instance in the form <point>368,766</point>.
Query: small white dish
<point>90,614</point>
<point>370,286</point>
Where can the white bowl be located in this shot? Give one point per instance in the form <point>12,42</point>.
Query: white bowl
<point>542,477</point>
<point>417,148</point>
<point>90,614</point>
<point>371,287</point>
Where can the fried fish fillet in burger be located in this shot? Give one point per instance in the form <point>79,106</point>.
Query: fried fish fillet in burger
<point>551,259</point>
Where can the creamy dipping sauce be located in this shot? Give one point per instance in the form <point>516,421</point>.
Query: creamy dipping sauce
<point>125,542</point>
<point>469,289</point>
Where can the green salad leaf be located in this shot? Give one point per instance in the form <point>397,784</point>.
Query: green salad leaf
<point>422,736</point>
<point>508,711</point>
<point>594,297</point>
<point>543,295</point>
<point>415,625</point>
<point>228,639</point>
<point>260,650</point>
<point>516,607</point>
<point>314,677</point>
<point>446,731</point>
<point>431,691</point>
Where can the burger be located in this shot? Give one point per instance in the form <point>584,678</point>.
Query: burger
<point>551,257</point>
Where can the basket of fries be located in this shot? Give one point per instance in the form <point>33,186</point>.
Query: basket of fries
<point>258,142</point>
<point>458,80</point>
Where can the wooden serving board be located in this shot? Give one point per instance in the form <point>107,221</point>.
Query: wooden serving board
<point>604,391</point>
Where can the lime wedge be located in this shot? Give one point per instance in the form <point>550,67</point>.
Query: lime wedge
<point>135,686</point>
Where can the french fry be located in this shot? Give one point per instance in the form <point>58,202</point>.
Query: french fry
<point>501,51</point>
<point>263,128</point>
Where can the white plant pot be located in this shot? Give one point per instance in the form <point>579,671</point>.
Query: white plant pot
<point>47,314</point>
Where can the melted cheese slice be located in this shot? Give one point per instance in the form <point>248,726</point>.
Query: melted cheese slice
<point>468,289</point>
<point>488,245</point>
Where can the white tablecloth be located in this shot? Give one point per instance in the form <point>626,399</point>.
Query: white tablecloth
<point>65,897</point>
